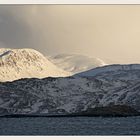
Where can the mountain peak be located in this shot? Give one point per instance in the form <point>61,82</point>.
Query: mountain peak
<point>26,63</point>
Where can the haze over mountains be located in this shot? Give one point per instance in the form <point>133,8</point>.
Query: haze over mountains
<point>76,63</point>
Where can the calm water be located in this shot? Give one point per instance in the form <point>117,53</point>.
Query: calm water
<point>70,126</point>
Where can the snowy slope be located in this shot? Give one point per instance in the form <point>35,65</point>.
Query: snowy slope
<point>26,63</point>
<point>71,94</point>
<point>116,68</point>
<point>76,63</point>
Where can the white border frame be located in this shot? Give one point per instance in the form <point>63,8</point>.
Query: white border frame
<point>119,2</point>
<point>69,1</point>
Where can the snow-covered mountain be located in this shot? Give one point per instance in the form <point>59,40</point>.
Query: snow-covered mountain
<point>114,71</point>
<point>76,63</point>
<point>120,86</point>
<point>26,63</point>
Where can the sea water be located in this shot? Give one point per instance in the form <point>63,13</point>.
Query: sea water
<point>70,126</point>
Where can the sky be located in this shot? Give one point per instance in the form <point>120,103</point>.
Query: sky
<point>108,32</point>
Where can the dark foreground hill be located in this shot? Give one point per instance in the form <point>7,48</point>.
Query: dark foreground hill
<point>97,94</point>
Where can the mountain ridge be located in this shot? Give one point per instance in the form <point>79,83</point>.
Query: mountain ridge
<point>109,68</point>
<point>41,94</point>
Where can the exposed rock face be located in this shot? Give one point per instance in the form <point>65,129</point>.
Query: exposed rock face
<point>64,96</point>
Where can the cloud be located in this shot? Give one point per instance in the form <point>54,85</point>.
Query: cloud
<point>109,32</point>
<point>14,31</point>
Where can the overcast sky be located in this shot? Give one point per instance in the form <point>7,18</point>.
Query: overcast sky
<point>109,32</point>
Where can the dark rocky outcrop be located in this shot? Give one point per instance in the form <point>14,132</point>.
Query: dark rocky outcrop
<point>110,111</point>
